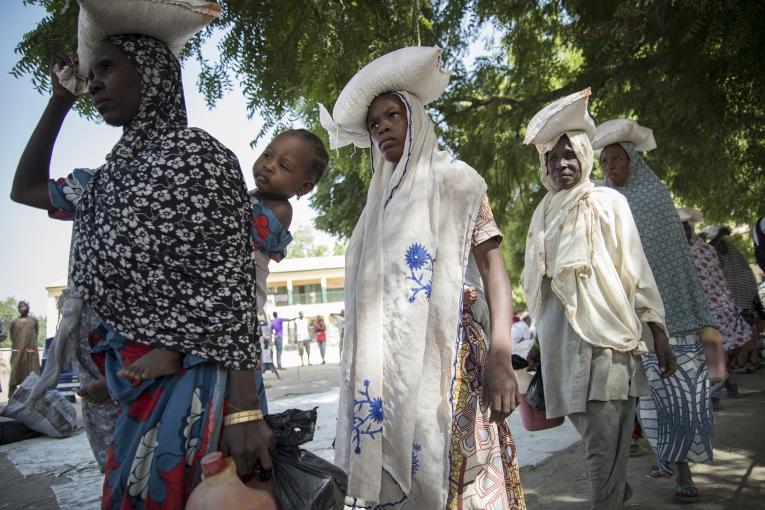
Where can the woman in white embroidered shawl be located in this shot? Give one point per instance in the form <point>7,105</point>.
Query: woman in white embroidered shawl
<point>591,292</point>
<point>404,275</point>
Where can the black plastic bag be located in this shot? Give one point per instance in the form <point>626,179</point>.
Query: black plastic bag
<point>519,362</point>
<point>292,427</point>
<point>303,481</point>
<point>535,395</point>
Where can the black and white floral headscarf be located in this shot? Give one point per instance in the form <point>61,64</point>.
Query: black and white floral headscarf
<point>162,248</point>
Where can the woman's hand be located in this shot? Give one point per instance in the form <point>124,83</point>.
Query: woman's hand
<point>58,91</point>
<point>469,296</point>
<point>499,387</point>
<point>664,354</point>
<point>534,359</point>
<point>250,441</point>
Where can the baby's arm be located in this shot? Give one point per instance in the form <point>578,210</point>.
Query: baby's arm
<point>282,210</point>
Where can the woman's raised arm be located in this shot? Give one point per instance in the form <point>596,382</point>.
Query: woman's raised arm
<point>30,184</point>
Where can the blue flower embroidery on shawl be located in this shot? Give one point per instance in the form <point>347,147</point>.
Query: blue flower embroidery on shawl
<point>416,448</point>
<point>374,416</point>
<point>421,265</point>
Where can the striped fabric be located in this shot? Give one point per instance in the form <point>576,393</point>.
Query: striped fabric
<point>677,419</point>
<point>739,276</point>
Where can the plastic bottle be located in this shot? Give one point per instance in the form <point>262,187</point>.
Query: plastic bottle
<point>221,488</point>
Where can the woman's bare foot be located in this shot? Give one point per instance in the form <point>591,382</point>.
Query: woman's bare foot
<point>153,364</point>
<point>95,392</point>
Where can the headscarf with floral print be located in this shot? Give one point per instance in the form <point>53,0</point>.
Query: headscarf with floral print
<point>162,248</point>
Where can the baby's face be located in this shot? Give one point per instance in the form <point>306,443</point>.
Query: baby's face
<point>284,168</point>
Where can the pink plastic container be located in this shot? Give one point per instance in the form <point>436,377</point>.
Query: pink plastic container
<point>221,489</point>
<point>535,420</point>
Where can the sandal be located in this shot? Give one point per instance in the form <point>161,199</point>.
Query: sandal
<point>686,493</point>
<point>657,472</point>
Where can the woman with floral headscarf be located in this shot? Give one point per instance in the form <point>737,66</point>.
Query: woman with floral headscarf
<point>733,328</point>
<point>677,419</point>
<point>421,420</point>
<point>162,252</point>
<point>592,295</point>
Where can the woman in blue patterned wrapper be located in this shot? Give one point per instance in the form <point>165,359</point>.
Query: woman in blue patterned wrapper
<point>677,419</point>
<point>402,383</point>
<point>163,251</point>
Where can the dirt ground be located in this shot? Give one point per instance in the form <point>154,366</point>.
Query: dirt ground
<point>736,480</point>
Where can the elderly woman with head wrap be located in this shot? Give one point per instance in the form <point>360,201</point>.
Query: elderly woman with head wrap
<point>162,252</point>
<point>419,425</point>
<point>677,419</point>
<point>592,295</point>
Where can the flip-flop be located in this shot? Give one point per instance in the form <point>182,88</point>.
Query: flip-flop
<point>657,472</point>
<point>686,493</point>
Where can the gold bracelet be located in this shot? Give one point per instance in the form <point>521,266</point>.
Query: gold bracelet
<point>242,417</point>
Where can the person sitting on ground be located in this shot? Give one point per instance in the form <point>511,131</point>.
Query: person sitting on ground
<point>592,295</point>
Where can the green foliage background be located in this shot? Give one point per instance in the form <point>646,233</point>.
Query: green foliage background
<point>691,70</point>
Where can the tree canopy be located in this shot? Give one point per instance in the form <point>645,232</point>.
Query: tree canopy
<point>689,69</point>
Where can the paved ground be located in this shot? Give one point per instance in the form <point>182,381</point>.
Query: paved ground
<point>51,474</point>
<point>736,480</point>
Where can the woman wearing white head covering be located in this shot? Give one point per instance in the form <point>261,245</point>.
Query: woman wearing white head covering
<point>591,292</point>
<point>401,407</point>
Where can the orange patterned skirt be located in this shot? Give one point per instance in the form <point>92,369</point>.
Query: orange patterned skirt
<point>484,468</point>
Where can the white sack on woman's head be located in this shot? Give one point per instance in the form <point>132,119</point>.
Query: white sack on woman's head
<point>173,22</point>
<point>621,131</point>
<point>414,69</point>
<point>690,215</point>
<point>566,114</point>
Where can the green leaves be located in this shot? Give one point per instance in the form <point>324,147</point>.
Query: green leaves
<point>690,70</point>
